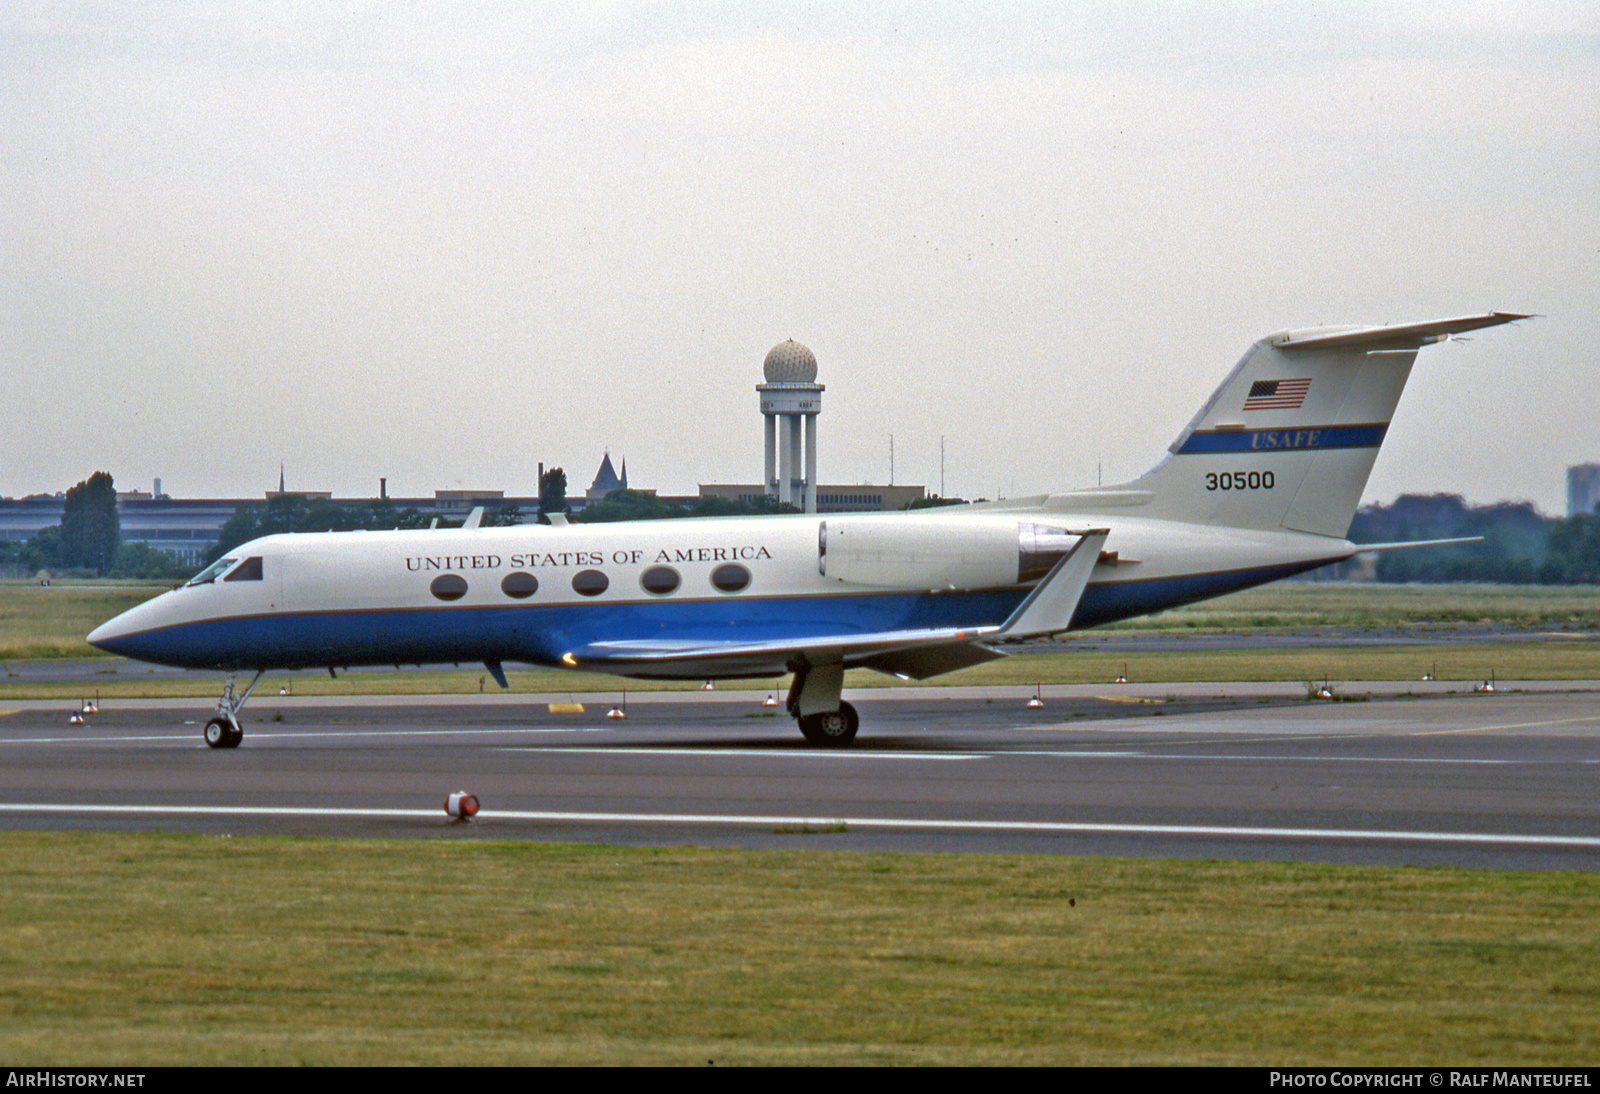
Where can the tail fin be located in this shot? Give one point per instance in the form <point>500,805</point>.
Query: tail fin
<point>1290,437</point>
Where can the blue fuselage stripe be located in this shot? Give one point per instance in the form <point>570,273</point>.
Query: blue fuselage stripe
<point>1297,439</point>
<point>541,633</point>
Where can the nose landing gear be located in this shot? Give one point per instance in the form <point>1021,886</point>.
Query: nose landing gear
<point>223,731</point>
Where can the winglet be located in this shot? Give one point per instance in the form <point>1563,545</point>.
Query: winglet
<point>1048,609</point>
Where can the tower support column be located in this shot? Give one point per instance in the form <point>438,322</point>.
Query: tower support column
<point>811,463</point>
<point>769,485</point>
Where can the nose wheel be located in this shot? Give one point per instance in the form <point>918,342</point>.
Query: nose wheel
<point>223,731</point>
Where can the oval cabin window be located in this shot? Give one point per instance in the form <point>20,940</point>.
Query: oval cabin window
<point>449,587</point>
<point>730,578</point>
<point>590,582</point>
<point>659,580</point>
<point>519,585</point>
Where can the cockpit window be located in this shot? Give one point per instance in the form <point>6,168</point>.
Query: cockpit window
<point>212,572</point>
<point>248,570</point>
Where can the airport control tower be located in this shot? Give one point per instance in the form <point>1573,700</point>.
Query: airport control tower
<point>791,393</point>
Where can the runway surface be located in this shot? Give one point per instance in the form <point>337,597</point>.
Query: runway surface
<point>1198,770</point>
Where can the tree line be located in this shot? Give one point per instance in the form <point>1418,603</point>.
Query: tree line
<point>1520,546</point>
<point>88,541</point>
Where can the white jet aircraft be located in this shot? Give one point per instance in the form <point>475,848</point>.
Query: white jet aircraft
<point>1262,484</point>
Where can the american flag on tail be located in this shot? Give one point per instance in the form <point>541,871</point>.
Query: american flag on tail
<point>1277,394</point>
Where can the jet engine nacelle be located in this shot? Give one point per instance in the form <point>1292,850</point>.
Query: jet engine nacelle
<point>928,551</point>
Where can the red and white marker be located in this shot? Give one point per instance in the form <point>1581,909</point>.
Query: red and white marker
<point>461,806</point>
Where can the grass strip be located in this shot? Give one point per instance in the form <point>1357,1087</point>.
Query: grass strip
<point>1468,663</point>
<point>176,949</point>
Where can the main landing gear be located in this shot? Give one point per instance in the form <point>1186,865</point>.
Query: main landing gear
<point>826,720</point>
<point>223,731</point>
<point>831,728</point>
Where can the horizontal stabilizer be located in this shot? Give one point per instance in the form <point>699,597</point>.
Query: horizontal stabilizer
<point>1362,548</point>
<point>1404,336</point>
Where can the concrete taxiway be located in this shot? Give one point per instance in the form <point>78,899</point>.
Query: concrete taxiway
<point>1434,774</point>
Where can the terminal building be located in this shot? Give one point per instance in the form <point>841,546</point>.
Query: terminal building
<point>859,498</point>
<point>187,527</point>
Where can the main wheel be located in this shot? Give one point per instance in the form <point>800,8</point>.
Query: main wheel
<point>831,729</point>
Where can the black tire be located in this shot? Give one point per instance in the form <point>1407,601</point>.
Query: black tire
<point>831,729</point>
<point>219,734</point>
<point>234,737</point>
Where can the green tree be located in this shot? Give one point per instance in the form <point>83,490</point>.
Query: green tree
<point>552,494</point>
<point>43,551</point>
<point>144,561</point>
<point>297,513</point>
<point>625,504</point>
<point>1574,557</point>
<point>91,532</point>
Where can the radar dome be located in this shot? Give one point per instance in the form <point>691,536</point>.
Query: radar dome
<point>791,363</point>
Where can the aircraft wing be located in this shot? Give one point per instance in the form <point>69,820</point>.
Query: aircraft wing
<point>917,653</point>
<point>909,651</point>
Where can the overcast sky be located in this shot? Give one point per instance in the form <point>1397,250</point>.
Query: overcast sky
<point>443,242</point>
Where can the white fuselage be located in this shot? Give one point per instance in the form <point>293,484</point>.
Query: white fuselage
<point>555,595</point>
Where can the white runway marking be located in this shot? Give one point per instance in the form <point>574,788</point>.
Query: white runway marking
<point>303,735</point>
<point>783,752</point>
<point>795,753</point>
<point>951,825</point>
<point>1246,757</point>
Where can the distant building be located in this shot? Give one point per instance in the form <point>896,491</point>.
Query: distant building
<point>606,480</point>
<point>1583,488</point>
<point>187,527</point>
<point>830,499</point>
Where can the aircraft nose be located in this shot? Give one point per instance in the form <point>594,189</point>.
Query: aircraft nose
<point>121,634</point>
<point>104,637</point>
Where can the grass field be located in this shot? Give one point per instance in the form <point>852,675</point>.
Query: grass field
<point>152,949</point>
<point>39,622</point>
<point>1361,604</point>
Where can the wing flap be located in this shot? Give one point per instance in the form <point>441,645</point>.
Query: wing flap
<point>690,658</point>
